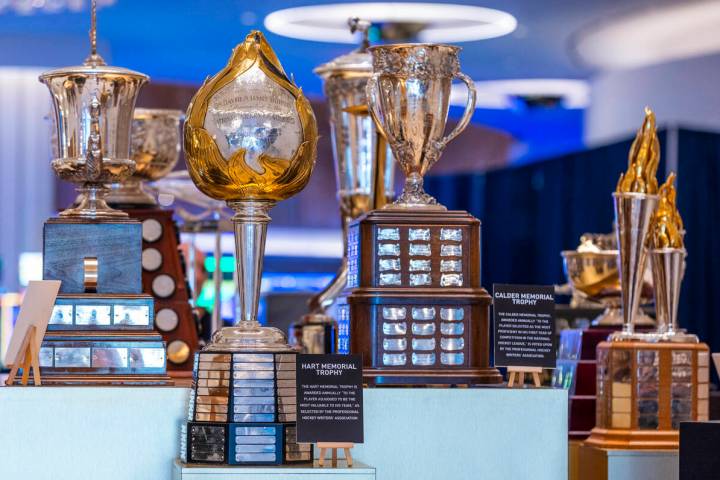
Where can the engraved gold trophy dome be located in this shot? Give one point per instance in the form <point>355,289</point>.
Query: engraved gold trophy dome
<point>250,140</point>
<point>250,133</point>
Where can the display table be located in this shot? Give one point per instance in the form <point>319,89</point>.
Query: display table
<point>359,471</point>
<point>603,464</point>
<point>422,433</point>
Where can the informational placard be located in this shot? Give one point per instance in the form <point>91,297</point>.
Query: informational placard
<point>35,311</point>
<point>329,398</point>
<point>524,325</point>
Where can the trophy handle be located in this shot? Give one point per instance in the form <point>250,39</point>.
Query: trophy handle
<point>469,109</point>
<point>94,153</point>
<point>371,92</point>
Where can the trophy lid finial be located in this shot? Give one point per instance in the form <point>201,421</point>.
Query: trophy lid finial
<point>94,59</point>
<point>356,62</point>
<point>356,24</point>
<point>643,160</point>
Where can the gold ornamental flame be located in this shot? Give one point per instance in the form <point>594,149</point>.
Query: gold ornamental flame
<point>643,160</point>
<point>233,179</point>
<point>667,229</point>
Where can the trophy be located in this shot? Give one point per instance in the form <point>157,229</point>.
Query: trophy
<point>414,306</point>
<point>592,272</point>
<point>364,170</point>
<point>667,256</point>
<point>155,148</point>
<point>101,328</point>
<point>647,383</point>
<point>250,140</point>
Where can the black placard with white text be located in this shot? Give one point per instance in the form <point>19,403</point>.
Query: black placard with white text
<point>524,318</point>
<point>329,398</point>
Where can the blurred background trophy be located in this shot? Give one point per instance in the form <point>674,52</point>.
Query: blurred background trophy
<point>647,383</point>
<point>414,306</point>
<point>101,329</point>
<point>364,170</point>
<point>250,140</point>
<point>155,148</point>
<point>592,272</point>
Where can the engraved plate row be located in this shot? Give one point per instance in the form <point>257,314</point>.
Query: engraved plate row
<point>423,325</point>
<point>100,315</point>
<point>419,250</point>
<point>135,358</point>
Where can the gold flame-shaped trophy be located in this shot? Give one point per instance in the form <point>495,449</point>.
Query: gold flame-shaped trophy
<point>647,383</point>
<point>250,140</point>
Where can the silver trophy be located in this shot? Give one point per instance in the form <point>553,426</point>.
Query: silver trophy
<point>93,107</point>
<point>409,97</point>
<point>155,148</point>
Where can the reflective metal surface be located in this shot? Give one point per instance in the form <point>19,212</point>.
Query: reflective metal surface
<point>155,148</point>
<point>592,272</point>
<point>668,265</point>
<point>250,140</point>
<point>635,201</point>
<point>93,108</point>
<point>408,97</point>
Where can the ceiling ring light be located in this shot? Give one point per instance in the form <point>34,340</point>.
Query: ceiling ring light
<point>651,36</point>
<point>500,94</point>
<point>442,22</point>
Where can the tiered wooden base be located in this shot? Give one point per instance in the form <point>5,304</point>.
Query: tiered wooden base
<point>644,390</point>
<point>414,307</point>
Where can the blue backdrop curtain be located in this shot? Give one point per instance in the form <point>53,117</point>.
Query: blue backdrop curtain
<point>699,204</point>
<point>531,213</point>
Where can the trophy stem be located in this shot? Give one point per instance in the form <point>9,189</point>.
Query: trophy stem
<point>633,212</point>
<point>92,203</point>
<point>413,195</point>
<point>250,225</point>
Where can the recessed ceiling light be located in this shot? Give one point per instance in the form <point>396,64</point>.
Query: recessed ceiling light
<point>653,36</point>
<point>505,94</point>
<point>440,22</point>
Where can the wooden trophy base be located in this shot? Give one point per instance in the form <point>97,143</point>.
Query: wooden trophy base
<point>107,380</point>
<point>378,377</point>
<point>645,389</point>
<point>414,306</point>
<point>634,439</point>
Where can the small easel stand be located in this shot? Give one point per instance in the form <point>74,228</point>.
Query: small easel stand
<point>520,372</point>
<point>30,359</point>
<point>334,446</point>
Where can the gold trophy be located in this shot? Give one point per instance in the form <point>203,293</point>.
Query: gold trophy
<point>250,140</point>
<point>635,200</point>
<point>667,255</point>
<point>591,269</point>
<point>647,383</point>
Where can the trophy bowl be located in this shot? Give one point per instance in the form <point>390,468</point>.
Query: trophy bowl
<point>409,96</point>
<point>155,148</point>
<point>594,277</point>
<point>93,106</point>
